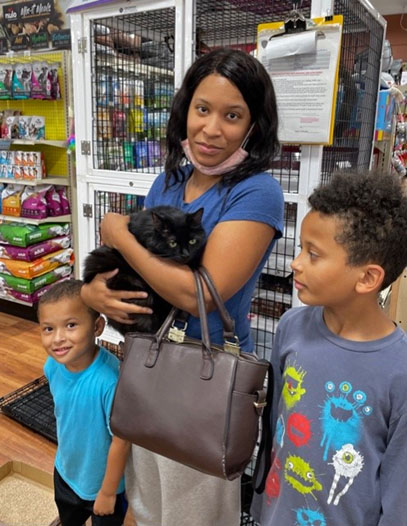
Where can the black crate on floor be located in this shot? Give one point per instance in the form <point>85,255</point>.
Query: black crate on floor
<point>32,406</point>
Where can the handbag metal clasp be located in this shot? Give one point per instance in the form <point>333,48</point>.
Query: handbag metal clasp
<point>176,334</point>
<point>261,401</point>
<point>232,347</point>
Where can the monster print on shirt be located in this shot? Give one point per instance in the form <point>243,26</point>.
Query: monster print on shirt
<point>347,463</point>
<point>298,429</point>
<point>307,517</point>
<point>280,431</point>
<point>292,389</point>
<point>300,475</point>
<point>341,417</point>
<point>272,488</point>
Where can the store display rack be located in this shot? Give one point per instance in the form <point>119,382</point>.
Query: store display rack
<point>32,221</point>
<point>52,145</point>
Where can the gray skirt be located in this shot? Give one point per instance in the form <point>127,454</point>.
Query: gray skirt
<point>162,492</point>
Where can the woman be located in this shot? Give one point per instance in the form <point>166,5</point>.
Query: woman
<point>226,103</point>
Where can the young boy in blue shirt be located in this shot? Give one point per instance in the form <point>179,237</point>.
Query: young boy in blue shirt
<point>89,463</point>
<point>339,455</point>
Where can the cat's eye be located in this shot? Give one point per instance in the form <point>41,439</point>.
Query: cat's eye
<point>172,244</point>
<point>192,241</point>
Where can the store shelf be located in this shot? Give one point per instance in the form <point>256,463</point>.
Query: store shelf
<point>30,221</point>
<point>44,142</point>
<point>64,181</point>
<point>130,66</point>
<point>14,300</point>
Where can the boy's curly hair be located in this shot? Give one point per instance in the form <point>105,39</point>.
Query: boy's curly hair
<point>372,209</point>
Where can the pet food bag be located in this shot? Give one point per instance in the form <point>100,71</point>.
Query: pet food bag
<point>32,269</point>
<point>34,251</point>
<point>11,199</point>
<point>21,235</point>
<point>34,203</point>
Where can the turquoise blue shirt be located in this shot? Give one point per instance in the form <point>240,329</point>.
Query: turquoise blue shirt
<point>258,198</point>
<point>83,402</point>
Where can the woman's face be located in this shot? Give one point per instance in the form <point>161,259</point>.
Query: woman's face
<point>218,120</point>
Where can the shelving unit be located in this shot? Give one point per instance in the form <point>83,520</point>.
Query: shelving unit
<point>31,221</point>
<point>58,162</point>
<point>19,302</point>
<point>29,142</point>
<point>63,181</point>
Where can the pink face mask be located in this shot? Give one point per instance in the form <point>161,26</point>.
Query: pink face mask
<point>225,166</point>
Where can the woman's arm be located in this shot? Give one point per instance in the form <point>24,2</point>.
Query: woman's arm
<point>110,302</point>
<point>232,253</point>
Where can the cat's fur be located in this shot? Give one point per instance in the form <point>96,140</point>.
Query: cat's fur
<point>165,231</point>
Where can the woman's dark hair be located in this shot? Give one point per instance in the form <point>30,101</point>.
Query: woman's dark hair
<point>372,212</point>
<point>254,83</point>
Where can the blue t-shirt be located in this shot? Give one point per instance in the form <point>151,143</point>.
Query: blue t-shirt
<point>258,198</point>
<point>83,402</point>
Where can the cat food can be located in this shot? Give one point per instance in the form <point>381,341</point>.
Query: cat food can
<point>154,153</point>
<point>140,154</point>
<point>104,124</point>
<point>127,92</point>
<point>128,155</point>
<point>136,120</point>
<point>103,90</point>
<point>138,92</point>
<point>119,124</point>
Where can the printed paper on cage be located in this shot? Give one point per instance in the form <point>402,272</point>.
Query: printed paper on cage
<point>304,70</point>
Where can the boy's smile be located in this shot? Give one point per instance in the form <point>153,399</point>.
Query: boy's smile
<point>322,275</point>
<point>68,332</point>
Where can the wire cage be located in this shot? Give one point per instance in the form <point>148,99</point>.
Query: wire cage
<point>32,406</point>
<point>233,23</point>
<point>133,76</point>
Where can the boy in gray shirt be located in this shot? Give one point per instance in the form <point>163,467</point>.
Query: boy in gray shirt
<point>339,455</point>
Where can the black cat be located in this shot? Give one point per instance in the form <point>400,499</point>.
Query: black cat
<point>165,231</point>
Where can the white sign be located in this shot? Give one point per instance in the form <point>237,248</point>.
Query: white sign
<point>303,68</point>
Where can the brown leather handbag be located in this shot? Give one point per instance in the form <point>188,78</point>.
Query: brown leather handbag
<point>189,400</point>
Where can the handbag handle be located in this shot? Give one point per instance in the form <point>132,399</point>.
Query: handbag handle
<point>207,360</point>
<point>228,325</point>
<point>227,320</point>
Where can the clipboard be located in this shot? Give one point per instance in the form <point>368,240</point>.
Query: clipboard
<point>302,57</point>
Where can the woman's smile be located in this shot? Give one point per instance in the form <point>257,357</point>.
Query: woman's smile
<point>208,149</point>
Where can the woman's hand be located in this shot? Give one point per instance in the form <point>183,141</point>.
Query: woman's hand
<point>97,295</point>
<point>112,227</point>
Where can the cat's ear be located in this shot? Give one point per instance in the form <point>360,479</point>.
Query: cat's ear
<point>157,221</point>
<point>196,217</point>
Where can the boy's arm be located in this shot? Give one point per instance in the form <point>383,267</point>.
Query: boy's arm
<point>393,476</point>
<point>116,461</point>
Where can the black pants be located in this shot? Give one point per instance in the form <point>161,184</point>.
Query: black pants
<point>74,511</point>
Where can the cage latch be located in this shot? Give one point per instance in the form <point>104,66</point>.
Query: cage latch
<point>85,147</point>
<point>82,45</point>
<point>87,210</point>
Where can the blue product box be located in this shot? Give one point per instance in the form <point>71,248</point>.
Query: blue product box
<point>385,113</point>
<point>140,154</point>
